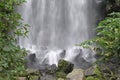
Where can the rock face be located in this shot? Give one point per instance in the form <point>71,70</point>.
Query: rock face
<point>76,74</point>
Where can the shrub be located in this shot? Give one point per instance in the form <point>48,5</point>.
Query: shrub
<point>107,42</point>
<point>107,46</point>
<point>11,26</point>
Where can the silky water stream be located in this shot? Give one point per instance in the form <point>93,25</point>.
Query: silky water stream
<point>56,26</point>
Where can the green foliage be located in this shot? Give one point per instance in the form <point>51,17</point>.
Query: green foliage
<point>97,74</point>
<point>108,36</point>
<point>107,46</point>
<point>103,73</point>
<point>92,78</point>
<point>107,41</point>
<point>11,26</point>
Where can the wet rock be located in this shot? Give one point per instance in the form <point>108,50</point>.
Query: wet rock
<point>48,72</point>
<point>48,77</point>
<point>61,79</point>
<point>34,73</point>
<point>81,63</point>
<point>32,57</point>
<point>61,75</point>
<point>43,68</point>
<point>21,78</point>
<point>48,69</point>
<point>76,74</point>
<point>31,60</point>
<point>85,61</point>
<point>52,68</point>
<point>90,71</point>
<point>65,66</point>
<point>62,54</point>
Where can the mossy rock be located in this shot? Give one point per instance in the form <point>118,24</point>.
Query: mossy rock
<point>76,74</point>
<point>21,78</point>
<point>61,79</point>
<point>61,75</point>
<point>65,66</point>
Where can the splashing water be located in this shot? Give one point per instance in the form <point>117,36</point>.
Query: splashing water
<point>56,26</point>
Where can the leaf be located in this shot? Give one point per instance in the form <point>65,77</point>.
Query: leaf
<point>6,48</point>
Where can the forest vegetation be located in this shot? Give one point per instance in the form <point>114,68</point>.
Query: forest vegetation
<point>11,26</point>
<point>106,43</point>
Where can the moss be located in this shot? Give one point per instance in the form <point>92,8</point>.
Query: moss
<point>61,75</point>
<point>65,66</point>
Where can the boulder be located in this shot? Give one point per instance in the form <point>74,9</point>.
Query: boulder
<point>43,68</point>
<point>90,71</point>
<point>65,66</point>
<point>76,74</point>
<point>48,77</point>
<point>52,68</point>
<point>21,78</point>
<point>47,69</point>
<point>32,57</point>
<point>33,74</point>
<point>31,60</point>
<point>61,79</point>
<point>61,75</point>
<point>62,54</point>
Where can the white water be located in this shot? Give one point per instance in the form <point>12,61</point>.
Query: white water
<point>57,25</point>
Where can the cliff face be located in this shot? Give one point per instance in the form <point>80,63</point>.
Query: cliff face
<point>112,6</point>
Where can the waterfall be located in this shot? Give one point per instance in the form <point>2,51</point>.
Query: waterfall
<point>56,26</point>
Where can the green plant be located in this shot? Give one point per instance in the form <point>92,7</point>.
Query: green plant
<point>107,46</point>
<point>91,78</point>
<point>107,41</point>
<point>103,72</point>
<point>11,26</point>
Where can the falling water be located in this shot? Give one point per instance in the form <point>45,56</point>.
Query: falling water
<point>57,25</point>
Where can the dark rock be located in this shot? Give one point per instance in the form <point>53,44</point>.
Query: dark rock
<point>52,68</point>
<point>80,62</point>
<point>47,69</point>
<point>43,68</point>
<point>65,66</point>
<point>48,72</point>
<point>32,57</point>
<point>62,54</point>
<point>31,60</point>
